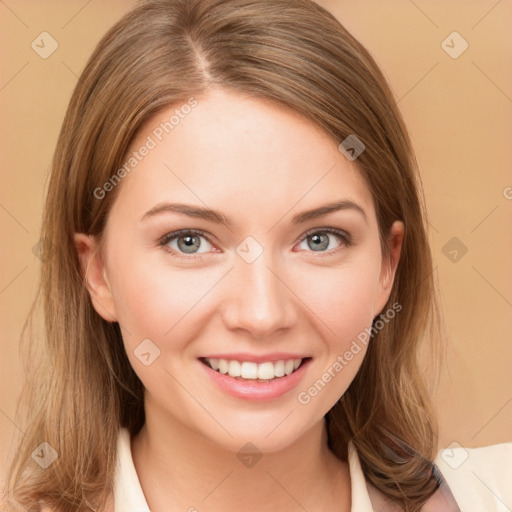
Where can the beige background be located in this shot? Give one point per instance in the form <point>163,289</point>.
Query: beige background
<point>459,114</point>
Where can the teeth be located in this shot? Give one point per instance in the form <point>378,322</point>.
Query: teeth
<point>234,369</point>
<point>279,369</point>
<point>249,370</point>
<point>223,366</point>
<point>266,371</point>
<point>253,371</point>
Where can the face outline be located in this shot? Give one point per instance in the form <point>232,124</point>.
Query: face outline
<point>288,299</point>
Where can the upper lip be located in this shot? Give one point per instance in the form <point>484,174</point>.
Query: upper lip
<point>258,358</point>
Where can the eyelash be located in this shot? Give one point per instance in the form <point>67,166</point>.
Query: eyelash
<point>345,237</point>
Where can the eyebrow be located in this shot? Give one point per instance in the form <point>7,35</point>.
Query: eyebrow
<point>219,218</point>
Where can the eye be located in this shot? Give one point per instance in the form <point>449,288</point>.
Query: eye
<point>186,241</point>
<point>320,239</point>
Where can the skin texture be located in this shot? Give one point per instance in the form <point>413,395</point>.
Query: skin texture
<point>259,164</point>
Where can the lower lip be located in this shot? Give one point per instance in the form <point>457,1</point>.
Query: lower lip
<point>257,391</point>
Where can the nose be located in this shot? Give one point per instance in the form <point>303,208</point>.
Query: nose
<point>259,298</point>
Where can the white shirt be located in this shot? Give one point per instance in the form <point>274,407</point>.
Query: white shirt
<point>480,480</point>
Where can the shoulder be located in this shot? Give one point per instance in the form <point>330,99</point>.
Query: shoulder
<point>475,479</point>
<point>479,478</point>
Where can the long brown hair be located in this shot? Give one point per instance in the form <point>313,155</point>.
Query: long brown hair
<point>80,386</point>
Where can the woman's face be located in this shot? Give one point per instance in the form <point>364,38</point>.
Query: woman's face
<point>271,285</point>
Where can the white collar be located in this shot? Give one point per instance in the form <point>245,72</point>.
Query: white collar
<point>128,495</point>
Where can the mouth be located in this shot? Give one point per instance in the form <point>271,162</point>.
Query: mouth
<point>250,371</point>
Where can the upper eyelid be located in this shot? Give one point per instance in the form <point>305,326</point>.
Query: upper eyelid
<point>330,230</point>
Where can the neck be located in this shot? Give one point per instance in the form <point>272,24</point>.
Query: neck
<point>180,469</point>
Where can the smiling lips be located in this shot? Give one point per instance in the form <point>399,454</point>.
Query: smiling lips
<point>249,370</point>
<point>256,378</point>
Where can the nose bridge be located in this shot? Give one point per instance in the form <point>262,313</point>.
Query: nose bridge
<point>260,301</point>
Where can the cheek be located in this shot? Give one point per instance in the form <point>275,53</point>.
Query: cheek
<point>167,307</point>
<point>342,298</point>
<point>342,302</point>
<point>158,302</point>
<point>352,304</point>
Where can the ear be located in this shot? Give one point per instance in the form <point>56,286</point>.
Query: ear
<point>94,271</point>
<point>389,265</point>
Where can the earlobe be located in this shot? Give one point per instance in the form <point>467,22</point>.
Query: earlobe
<point>95,276</point>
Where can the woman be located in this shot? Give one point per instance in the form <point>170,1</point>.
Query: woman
<point>200,353</point>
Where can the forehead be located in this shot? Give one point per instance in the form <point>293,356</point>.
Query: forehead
<point>237,153</point>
